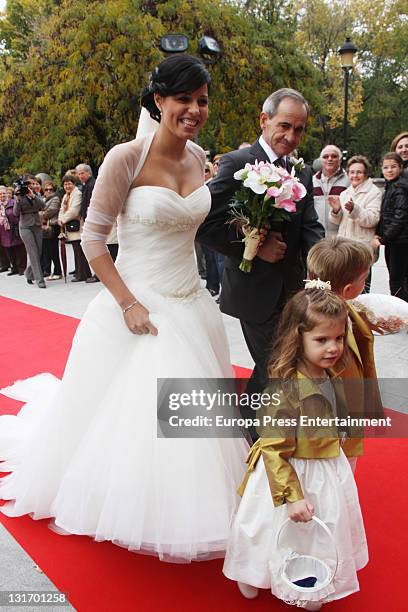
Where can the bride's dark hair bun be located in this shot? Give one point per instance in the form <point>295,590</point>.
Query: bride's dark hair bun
<point>175,74</point>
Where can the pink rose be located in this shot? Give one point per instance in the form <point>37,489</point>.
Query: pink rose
<point>287,205</point>
<point>298,191</point>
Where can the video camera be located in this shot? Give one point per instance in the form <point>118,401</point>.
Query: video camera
<point>21,186</point>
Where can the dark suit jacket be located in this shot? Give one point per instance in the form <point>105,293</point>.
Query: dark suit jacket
<point>86,196</point>
<point>252,297</point>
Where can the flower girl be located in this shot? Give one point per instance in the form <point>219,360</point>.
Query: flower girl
<point>297,473</point>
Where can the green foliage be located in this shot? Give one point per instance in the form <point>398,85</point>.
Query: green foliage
<point>72,73</point>
<point>322,29</point>
<point>383,39</point>
<point>379,82</point>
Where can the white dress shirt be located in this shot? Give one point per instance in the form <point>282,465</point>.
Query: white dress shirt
<point>270,152</point>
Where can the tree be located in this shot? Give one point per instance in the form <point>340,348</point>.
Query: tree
<point>322,29</point>
<point>379,28</point>
<point>72,91</point>
<point>382,36</point>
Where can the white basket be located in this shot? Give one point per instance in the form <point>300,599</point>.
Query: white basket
<point>299,566</point>
<point>387,311</point>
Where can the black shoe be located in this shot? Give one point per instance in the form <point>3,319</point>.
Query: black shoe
<point>72,273</point>
<point>77,280</point>
<point>93,279</point>
<point>30,281</point>
<point>42,284</point>
<point>3,269</point>
<point>213,292</point>
<point>12,273</point>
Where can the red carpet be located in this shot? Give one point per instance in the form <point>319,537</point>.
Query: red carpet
<point>104,577</point>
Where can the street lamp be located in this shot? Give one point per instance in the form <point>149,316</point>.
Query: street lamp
<point>208,47</point>
<point>174,43</point>
<point>347,52</point>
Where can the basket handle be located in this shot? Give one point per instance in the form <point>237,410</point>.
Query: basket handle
<point>323,526</point>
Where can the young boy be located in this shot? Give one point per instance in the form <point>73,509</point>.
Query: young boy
<point>346,264</point>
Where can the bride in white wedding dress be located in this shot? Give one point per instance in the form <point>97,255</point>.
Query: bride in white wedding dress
<point>84,450</point>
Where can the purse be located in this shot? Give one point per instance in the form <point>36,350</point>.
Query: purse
<point>47,230</point>
<point>15,230</point>
<point>73,226</point>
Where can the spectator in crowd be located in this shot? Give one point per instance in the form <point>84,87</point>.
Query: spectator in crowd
<point>392,230</point>
<point>400,145</point>
<point>9,235</point>
<point>10,239</point>
<point>356,212</point>
<point>49,220</point>
<point>199,251</point>
<point>214,262</point>
<point>216,162</point>
<point>4,260</point>
<point>27,208</point>
<point>3,195</point>
<point>37,186</point>
<point>331,180</point>
<point>69,219</point>
<point>208,171</point>
<point>84,174</point>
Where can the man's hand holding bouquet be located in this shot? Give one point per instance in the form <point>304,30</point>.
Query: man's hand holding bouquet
<point>269,195</point>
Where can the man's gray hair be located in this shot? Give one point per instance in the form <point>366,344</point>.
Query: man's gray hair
<point>340,154</point>
<point>270,106</point>
<point>84,168</point>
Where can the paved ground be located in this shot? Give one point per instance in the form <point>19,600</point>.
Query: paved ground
<point>17,570</point>
<point>20,574</point>
<point>73,298</point>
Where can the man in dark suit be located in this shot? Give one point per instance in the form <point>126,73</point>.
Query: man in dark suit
<point>257,298</point>
<point>84,173</point>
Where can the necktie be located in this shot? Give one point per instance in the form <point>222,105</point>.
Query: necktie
<point>280,162</point>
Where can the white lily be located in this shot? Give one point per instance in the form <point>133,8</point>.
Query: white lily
<point>240,175</point>
<point>298,164</point>
<point>256,182</point>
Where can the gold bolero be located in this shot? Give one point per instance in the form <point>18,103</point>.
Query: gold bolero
<point>306,400</point>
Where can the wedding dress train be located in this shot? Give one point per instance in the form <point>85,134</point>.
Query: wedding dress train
<point>85,451</point>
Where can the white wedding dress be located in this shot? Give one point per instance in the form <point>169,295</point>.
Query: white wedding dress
<point>85,451</point>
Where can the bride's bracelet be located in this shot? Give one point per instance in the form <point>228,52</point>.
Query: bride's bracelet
<point>124,310</point>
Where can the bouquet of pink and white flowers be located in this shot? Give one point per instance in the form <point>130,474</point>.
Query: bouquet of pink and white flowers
<point>269,195</point>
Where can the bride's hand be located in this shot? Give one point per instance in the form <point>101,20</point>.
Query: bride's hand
<point>137,320</point>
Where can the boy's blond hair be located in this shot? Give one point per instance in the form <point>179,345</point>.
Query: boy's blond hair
<point>338,260</point>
